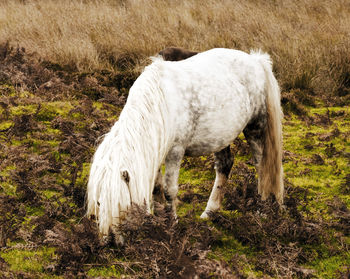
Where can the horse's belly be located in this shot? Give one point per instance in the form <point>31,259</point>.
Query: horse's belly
<point>205,148</point>
<point>212,134</point>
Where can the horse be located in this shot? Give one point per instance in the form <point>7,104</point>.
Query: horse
<point>191,107</point>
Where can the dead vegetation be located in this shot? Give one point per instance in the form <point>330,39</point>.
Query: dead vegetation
<point>28,72</point>
<point>308,40</point>
<point>281,236</point>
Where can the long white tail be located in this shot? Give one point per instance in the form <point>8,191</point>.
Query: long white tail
<point>271,170</point>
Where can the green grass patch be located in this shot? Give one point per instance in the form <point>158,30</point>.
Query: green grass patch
<point>58,108</point>
<point>5,124</point>
<point>195,177</point>
<point>228,248</point>
<point>318,161</point>
<point>35,210</point>
<point>7,187</point>
<point>183,208</point>
<point>83,175</point>
<point>29,260</point>
<point>328,267</point>
<point>106,271</point>
<point>23,109</point>
<point>111,112</point>
<point>48,194</point>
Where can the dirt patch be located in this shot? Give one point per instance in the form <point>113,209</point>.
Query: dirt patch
<point>317,159</point>
<point>166,248</point>
<point>76,247</point>
<point>155,246</point>
<point>22,124</point>
<point>12,214</point>
<point>291,103</point>
<point>342,216</point>
<point>28,72</point>
<point>345,186</point>
<point>321,119</point>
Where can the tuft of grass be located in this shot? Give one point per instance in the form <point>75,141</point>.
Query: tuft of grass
<point>328,267</point>
<point>194,177</point>
<point>50,110</point>
<point>105,272</point>
<point>23,109</point>
<point>4,125</point>
<point>32,261</point>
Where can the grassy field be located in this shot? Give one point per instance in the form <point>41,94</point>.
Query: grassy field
<point>65,71</point>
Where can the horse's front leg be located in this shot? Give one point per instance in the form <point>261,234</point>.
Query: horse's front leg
<point>172,168</point>
<point>223,165</point>
<point>158,191</point>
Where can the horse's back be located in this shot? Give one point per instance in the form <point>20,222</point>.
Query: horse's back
<point>214,73</point>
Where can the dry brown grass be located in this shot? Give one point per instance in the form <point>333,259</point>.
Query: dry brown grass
<point>308,39</point>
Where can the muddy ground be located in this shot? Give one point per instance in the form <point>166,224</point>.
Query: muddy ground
<point>50,118</point>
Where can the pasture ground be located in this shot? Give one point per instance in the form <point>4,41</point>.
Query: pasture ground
<point>50,118</point>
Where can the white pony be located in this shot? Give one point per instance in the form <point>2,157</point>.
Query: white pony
<point>191,107</point>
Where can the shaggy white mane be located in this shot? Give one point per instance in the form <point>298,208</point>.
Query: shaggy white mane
<point>140,130</point>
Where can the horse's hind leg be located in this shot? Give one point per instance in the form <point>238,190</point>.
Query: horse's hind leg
<point>254,133</point>
<point>223,165</point>
<point>172,168</point>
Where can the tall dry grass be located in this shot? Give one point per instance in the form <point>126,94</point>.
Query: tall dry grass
<point>309,40</point>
